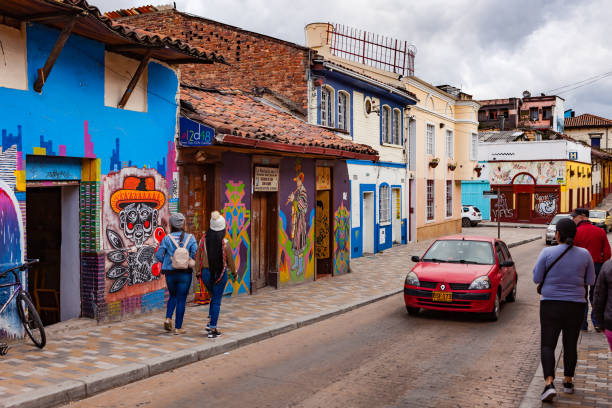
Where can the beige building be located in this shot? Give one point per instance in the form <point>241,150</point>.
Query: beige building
<point>591,129</point>
<point>442,139</point>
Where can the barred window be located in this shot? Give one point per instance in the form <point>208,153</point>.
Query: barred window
<point>327,118</point>
<point>397,123</point>
<point>450,144</point>
<point>384,204</point>
<point>474,147</point>
<point>431,148</point>
<point>430,200</point>
<point>343,103</point>
<point>449,198</point>
<point>386,124</point>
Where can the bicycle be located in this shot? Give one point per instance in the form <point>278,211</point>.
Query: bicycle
<point>27,312</point>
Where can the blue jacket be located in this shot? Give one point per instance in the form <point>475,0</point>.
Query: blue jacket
<point>167,248</point>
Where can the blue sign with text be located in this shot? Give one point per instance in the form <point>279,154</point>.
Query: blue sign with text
<point>194,133</point>
<point>573,155</point>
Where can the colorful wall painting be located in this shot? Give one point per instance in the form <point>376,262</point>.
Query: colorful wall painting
<point>288,269</point>
<point>134,213</point>
<point>547,204</point>
<point>11,254</point>
<point>238,221</point>
<point>342,245</point>
<point>544,173</point>
<point>323,225</point>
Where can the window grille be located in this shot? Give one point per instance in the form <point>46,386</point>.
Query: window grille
<point>397,123</point>
<point>430,200</point>
<point>449,198</point>
<point>342,110</point>
<point>430,140</point>
<point>384,204</point>
<point>450,146</point>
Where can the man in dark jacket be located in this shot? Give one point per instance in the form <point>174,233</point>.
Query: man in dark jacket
<point>602,301</point>
<point>594,240</point>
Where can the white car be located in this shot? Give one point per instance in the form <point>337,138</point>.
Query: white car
<point>552,228</point>
<point>470,216</point>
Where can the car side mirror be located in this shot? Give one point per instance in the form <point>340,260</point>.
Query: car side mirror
<point>416,258</point>
<point>507,264</point>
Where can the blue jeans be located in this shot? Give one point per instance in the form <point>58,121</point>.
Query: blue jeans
<point>216,294</point>
<point>589,297</point>
<point>178,284</point>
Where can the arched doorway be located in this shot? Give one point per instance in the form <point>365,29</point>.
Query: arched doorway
<point>523,185</point>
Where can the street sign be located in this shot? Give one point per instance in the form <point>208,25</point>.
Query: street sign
<point>489,193</point>
<point>573,155</point>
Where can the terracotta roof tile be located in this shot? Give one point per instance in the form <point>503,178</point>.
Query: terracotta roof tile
<point>587,120</point>
<point>245,117</point>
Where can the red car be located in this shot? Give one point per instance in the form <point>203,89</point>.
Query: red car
<point>464,274</point>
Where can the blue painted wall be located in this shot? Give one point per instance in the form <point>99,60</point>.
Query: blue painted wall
<point>471,194</point>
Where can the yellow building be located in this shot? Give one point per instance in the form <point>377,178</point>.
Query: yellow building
<point>441,146</point>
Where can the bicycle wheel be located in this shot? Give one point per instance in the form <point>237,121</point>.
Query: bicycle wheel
<point>31,320</point>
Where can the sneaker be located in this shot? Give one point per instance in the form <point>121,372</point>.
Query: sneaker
<point>168,325</point>
<point>213,333</point>
<point>208,327</point>
<point>549,393</point>
<point>568,387</point>
<point>179,331</point>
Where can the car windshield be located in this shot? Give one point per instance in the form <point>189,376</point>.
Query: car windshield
<point>597,214</point>
<point>558,217</point>
<point>460,251</point>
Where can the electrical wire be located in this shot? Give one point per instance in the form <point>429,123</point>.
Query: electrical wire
<point>576,85</point>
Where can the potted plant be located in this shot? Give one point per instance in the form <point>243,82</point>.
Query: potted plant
<point>433,163</point>
<point>452,165</point>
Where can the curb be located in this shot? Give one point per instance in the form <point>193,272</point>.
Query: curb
<point>532,398</point>
<point>90,385</point>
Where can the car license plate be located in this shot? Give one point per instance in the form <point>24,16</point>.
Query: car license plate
<point>442,297</point>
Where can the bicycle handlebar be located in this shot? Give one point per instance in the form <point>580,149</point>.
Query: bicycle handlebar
<point>26,264</point>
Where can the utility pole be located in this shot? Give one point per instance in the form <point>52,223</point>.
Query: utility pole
<point>498,215</point>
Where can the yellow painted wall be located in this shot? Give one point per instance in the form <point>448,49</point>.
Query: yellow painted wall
<point>573,183</point>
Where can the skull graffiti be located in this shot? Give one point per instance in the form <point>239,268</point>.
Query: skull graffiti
<point>138,221</point>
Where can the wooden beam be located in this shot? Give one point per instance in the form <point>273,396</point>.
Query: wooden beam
<point>129,47</point>
<point>48,17</point>
<point>132,85</point>
<point>43,73</point>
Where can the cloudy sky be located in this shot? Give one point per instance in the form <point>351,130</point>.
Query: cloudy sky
<point>488,48</point>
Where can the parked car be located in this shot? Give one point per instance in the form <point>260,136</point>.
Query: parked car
<point>464,274</point>
<point>601,218</point>
<point>552,228</point>
<point>470,216</point>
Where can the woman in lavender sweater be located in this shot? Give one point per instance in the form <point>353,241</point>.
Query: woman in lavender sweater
<point>563,302</point>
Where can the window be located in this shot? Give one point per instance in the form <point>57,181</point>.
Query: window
<point>397,126</point>
<point>595,139</point>
<point>474,147</point>
<point>118,72</point>
<point>547,113</point>
<point>482,115</point>
<point>384,204</point>
<point>327,118</point>
<point>13,58</point>
<point>386,124</point>
<point>492,114</point>
<point>343,103</point>
<point>449,198</point>
<point>429,138</point>
<point>450,145</point>
<point>533,114</point>
<point>504,113</point>
<point>430,200</point>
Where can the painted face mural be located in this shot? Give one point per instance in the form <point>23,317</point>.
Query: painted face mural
<point>136,206</point>
<point>299,206</point>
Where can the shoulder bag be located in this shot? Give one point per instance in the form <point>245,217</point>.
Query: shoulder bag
<point>550,267</point>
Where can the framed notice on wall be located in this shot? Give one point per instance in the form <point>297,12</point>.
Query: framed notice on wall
<point>266,179</point>
<point>323,178</point>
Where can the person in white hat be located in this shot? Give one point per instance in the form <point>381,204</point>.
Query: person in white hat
<point>213,259</point>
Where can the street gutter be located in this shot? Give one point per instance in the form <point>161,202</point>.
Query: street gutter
<point>90,385</point>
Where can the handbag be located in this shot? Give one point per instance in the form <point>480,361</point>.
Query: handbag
<point>539,289</point>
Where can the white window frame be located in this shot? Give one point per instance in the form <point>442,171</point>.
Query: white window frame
<point>474,147</point>
<point>450,144</point>
<point>385,123</point>
<point>396,127</point>
<point>430,209</point>
<point>430,139</point>
<point>327,106</point>
<point>449,194</point>
<point>384,204</point>
<point>344,123</point>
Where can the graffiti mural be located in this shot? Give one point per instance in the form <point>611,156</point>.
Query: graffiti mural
<point>134,207</point>
<point>544,173</point>
<point>503,210</point>
<point>238,219</point>
<point>342,247</point>
<point>12,253</point>
<point>546,204</point>
<point>287,254</point>
<point>298,199</point>
<point>322,226</point>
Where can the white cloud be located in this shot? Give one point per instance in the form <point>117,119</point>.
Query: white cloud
<point>491,49</point>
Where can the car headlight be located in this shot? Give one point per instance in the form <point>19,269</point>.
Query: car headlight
<point>412,279</point>
<point>481,282</point>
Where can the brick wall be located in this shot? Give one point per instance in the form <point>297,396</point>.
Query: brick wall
<point>256,60</point>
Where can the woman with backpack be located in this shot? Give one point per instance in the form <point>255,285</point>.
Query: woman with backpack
<point>176,252</point>
<point>213,260</point>
<point>562,272</point>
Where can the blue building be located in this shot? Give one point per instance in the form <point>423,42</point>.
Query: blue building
<point>88,117</point>
<point>367,111</point>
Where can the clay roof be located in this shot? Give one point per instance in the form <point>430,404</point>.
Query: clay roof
<point>91,23</point>
<point>243,119</point>
<point>587,120</point>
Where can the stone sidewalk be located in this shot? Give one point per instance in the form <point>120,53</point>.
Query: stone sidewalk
<point>77,363</point>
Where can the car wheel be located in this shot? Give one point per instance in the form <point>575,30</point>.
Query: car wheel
<point>413,311</point>
<point>466,222</point>
<point>512,295</point>
<point>493,315</point>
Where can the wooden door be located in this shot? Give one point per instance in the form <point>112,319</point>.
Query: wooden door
<point>263,244</point>
<point>196,198</point>
<point>323,246</point>
<point>523,205</point>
